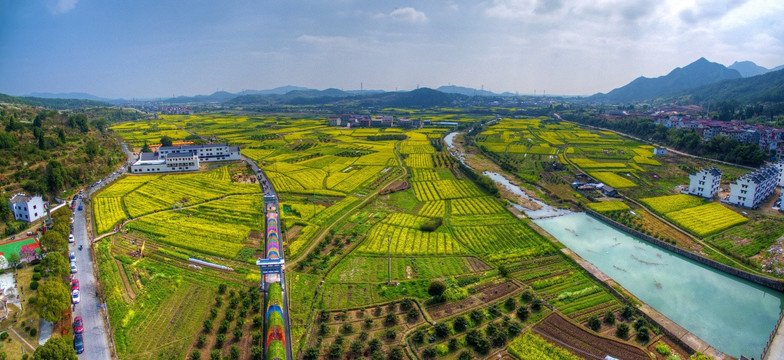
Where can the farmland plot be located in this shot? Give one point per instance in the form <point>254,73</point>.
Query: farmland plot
<point>478,206</point>
<point>613,179</point>
<point>408,241</point>
<point>374,269</point>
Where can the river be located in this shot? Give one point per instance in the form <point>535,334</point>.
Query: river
<point>731,314</point>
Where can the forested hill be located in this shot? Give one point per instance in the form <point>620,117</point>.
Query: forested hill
<point>698,73</point>
<point>44,152</point>
<point>423,97</point>
<point>51,103</point>
<point>765,88</point>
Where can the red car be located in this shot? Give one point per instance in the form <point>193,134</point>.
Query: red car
<point>74,284</point>
<point>77,325</point>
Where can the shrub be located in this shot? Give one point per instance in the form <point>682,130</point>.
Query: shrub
<point>522,313</point>
<point>609,318</point>
<point>594,323</point>
<point>418,337</point>
<point>510,304</point>
<point>34,285</point>
<point>3,335</point>
<point>412,315</point>
<point>663,349</point>
<point>234,352</point>
<point>36,276</point>
<point>33,332</point>
<point>215,354</point>
<point>441,330</point>
<point>622,331</point>
<point>220,340</point>
<point>201,340</point>
<point>195,354</point>
<point>436,288</point>
<point>429,353</point>
<point>460,324</point>
<point>643,335</point>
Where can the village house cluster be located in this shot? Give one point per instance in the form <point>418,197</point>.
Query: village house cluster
<point>387,121</point>
<point>766,137</point>
<point>748,191</point>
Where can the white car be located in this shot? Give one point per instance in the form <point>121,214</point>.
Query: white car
<point>75,297</point>
<point>73,268</point>
<point>71,238</point>
<point>73,256</point>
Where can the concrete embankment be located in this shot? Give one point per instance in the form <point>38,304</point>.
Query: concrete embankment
<point>681,336</point>
<point>774,349</point>
<point>771,283</point>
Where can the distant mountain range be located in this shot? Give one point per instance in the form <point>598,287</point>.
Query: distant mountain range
<point>700,72</point>
<point>680,81</point>
<point>699,81</point>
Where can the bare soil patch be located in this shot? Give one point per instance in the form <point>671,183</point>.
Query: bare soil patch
<point>580,341</point>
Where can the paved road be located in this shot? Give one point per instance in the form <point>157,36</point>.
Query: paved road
<point>96,336</point>
<point>96,333</point>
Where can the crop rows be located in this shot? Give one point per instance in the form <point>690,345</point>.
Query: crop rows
<point>374,269</point>
<point>109,211</point>
<point>706,219</point>
<point>646,160</point>
<point>613,179</point>
<point>444,189</point>
<point>588,163</point>
<point>325,216</point>
<point>670,203</point>
<point>218,228</point>
<point>530,346</point>
<point>418,174</point>
<point>433,209</point>
<point>476,206</point>
<point>487,239</point>
<point>406,220</point>
<point>416,147</point>
<point>407,241</point>
<point>356,179</point>
<point>607,206</point>
<point>160,194</point>
<point>420,161</point>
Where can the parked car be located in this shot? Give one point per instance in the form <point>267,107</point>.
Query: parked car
<point>73,256</point>
<point>74,284</point>
<point>75,296</point>
<point>73,268</point>
<point>78,343</point>
<point>75,197</point>
<point>80,207</point>
<point>78,326</point>
<point>71,238</point>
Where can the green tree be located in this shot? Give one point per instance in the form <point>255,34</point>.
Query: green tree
<point>594,323</point>
<point>460,324</point>
<point>55,176</point>
<point>61,135</point>
<point>54,242</point>
<point>5,209</point>
<point>609,317</point>
<point>436,288</point>
<point>166,141</point>
<point>13,259</point>
<point>53,298</point>
<point>622,331</point>
<point>146,147</point>
<point>56,348</point>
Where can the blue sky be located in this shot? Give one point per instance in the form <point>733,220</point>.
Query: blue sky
<point>161,48</point>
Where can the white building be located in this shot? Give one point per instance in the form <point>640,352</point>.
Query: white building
<point>753,188</point>
<point>780,166</point>
<point>208,153</point>
<point>183,158</point>
<point>660,151</point>
<point>27,208</point>
<point>705,183</point>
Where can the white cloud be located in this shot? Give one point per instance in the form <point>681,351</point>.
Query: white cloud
<point>61,6</point>
<point>408,14</point>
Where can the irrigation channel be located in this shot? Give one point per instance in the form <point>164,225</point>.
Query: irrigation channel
<point>733,315</point>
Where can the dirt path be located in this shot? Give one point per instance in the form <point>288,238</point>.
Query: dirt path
<point>21,339</point>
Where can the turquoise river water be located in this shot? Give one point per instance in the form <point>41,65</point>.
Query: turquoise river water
<point>733,315</point>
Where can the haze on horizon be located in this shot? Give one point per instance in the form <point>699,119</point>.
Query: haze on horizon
<point>146,49</point>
